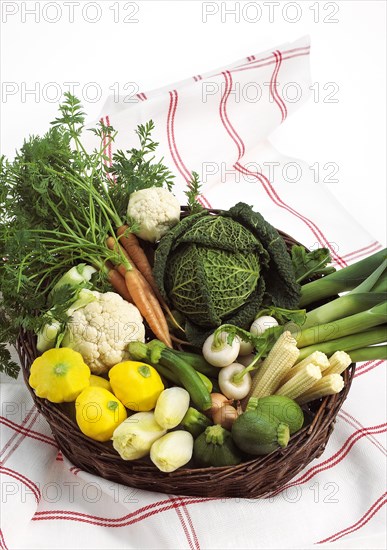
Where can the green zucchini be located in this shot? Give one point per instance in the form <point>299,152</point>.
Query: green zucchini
<point>206,381</point>
<point>195,422</point>
<point>283,408</point>
<point>257,433</point>
<point>198,362</point>
<point>215,447</point>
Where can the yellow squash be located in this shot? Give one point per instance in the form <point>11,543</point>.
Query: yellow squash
<point>98,413</point>
<point>100,382</point>
<point>59,375</point>
<point>136,384</point>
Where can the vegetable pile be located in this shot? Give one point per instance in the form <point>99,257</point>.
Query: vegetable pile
<point>192,340</point>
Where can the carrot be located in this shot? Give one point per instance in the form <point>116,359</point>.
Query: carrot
<point>146,303</point>
<point>118,283</point>
<point>137,254</point>
<point>113,245</point>
<point>142,295</point>
<point>156,305</point>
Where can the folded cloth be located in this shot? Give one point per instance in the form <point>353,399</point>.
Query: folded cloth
<point>218,125</point>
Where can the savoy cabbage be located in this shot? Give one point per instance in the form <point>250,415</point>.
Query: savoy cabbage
<point>216,269</point>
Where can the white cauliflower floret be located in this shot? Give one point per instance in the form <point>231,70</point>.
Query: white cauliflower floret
<point>155,210</point>
<point>101,330</point>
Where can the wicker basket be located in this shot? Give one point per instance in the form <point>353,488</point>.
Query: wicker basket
<point>259,477</point>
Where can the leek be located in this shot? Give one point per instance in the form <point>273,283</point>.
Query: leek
<point>377,315</point>
<point>349,343</point>
<point>345,279</point>
<point>346,305</point>
<point>381,285</point>
<point>371,281</point>
<point>369,354</point>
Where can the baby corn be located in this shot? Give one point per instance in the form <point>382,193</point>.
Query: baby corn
<point>280,360</point>
<point>328,385</point>
<point>301,382</point>
<point>338,363</point>
<point>316,358</point>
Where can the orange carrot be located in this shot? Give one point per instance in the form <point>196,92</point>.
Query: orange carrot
<point>137,254</point>
<point>156,305</point>
<point>118,283</point>
<point>115,246</point>
<point>142,295</point>
<point>146,303</point>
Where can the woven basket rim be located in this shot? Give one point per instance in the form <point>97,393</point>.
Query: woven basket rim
<point>254,478</point>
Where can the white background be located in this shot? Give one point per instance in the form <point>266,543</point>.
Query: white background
<point>171,41</point>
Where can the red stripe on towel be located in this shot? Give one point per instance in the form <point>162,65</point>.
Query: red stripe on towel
<point>336,458</point>
<point>362,521</point>
<point>28,432</point>
<point>371,366</point>
<point>123,521</point>
<point>186,174</point>
<point>268,187</point>
<point>3,545</point>
<point>17,438</point>
<point>23,479</point>
<point>273,86</point>
<point>352,421</point>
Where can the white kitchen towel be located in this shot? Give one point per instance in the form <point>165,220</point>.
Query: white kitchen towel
<point>218,125</point>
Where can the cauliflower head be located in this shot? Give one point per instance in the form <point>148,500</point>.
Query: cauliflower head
<point>101,330</point>
<point>155,210</point>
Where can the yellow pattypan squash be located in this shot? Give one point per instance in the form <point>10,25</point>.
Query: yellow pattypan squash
<point>98,413</point>
<point>59,375</point>
<point>100,382</point>
<point>136,384</point>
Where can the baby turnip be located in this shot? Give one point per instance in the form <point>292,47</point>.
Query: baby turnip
<point>218,352</point>
<point>257,328</point>
<point>262,323</point>
<point>231,385</point>
<point>246,348</point>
